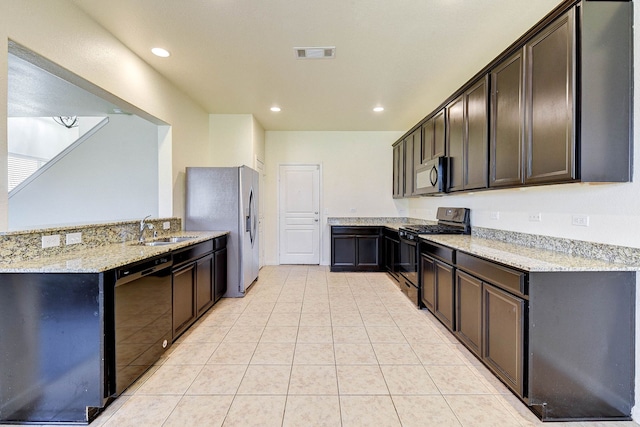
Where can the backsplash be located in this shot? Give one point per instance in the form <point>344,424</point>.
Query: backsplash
<point>601,251</point>
<point>26,245</point>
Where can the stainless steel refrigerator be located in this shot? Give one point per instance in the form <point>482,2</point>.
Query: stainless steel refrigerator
<point>226,198</point>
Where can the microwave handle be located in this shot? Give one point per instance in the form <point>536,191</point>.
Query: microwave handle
<point>433,176</point>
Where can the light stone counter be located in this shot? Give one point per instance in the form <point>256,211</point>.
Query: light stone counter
<point>528,258</point>
<point>102,258</point>
<point>528,252</point>
<point>389,222</point>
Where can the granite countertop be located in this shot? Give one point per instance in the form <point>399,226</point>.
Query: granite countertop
<point>389,222</point>
<point>392,225</point>
<point>103,258</point>
<point>526,258</point>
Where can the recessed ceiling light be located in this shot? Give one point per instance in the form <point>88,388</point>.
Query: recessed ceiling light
<point>276,109</point>
<point>162,53</point>
<point>378,109</point>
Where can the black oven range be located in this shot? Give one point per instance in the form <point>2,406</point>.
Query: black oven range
<point>450,221</point>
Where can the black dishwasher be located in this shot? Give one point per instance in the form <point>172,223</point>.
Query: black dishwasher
<point>142,318</point>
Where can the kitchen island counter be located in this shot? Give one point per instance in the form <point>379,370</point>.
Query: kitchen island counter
<point>103,258</point>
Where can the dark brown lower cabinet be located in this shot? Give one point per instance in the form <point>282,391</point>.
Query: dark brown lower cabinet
<point>199,278</point>
<point>469,311</point>
<point>184,311</point>
<point>428,282</point>
<point>503,335</point>
<point>391,256</point>
<point>443,309</point>
<point>437,289</point>
<point>220,273</point>
<point>535,330</point>
<point>490,322</point>
<point>204,288</point>
<point>356,248</point>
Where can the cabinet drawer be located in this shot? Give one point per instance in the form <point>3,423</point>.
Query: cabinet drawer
<point>192,252</point>
<point>220,242</point>
<point>506,278</point>
<point>360,231</point>
<point>434,250</point>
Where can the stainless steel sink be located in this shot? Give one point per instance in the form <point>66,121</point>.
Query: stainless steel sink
<point>163,241</point>
<point>173,239</point>
<point>155,243</point>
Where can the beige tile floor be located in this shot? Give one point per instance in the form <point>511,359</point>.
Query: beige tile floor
<point>307,347</point>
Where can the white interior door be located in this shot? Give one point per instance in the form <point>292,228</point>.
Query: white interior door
<point>299,216</point>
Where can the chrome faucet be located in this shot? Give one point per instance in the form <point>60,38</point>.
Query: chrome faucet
<point>143,226</point>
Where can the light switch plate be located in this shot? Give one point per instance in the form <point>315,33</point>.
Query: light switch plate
<point>50,241</point>
<point>495,215</point>
<point>166,225</point>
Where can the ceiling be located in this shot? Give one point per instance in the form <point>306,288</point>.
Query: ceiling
<point>237,56</point>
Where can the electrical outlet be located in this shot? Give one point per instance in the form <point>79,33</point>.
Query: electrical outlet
<point>535,217</point>
<point>166,225</point>
<point>353,210</point>
<point>580,220</point>
<point>73,238</point>
<point>495,215</point>
<point>50,241</point>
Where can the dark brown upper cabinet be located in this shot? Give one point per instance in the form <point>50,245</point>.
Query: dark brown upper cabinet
<point>549,97</point>
<point>467,139</point>
<point>427,140</point>
<point>507,123</point>
<point>439,136</point>
<point>455,144</point>
<point>532,110</point>
<point>477,127</point>
<point>434,137</point>
<point>398,170</point>
<point>408,166</point>
<point>560,106</point>
<point>407,154</point>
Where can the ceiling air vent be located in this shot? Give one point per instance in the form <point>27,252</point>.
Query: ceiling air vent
<point>328,52</point>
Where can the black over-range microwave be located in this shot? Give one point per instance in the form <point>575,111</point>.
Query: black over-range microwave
<point>430,177</point>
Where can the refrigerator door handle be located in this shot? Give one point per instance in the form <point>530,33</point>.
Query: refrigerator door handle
<point>250,220</point>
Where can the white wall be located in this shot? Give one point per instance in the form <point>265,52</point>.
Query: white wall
<point>60,32</point>
<point>231,139</point>
<point>38,137</point>
<point>356,173</point>
<point>111,176</point>
<point>258,136</point>
<point>236,139</point>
